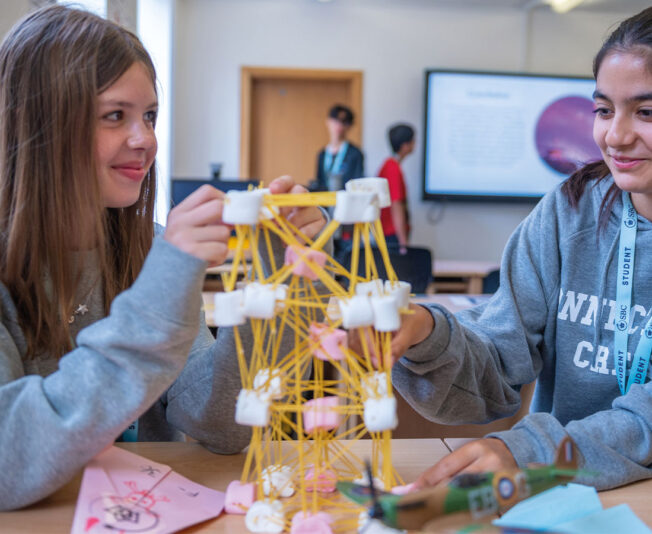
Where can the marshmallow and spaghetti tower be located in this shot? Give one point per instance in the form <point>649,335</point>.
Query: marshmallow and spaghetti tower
<point>304,419</point>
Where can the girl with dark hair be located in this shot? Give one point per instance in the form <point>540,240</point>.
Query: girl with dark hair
<point>573,311</point>
<point>101,333</point>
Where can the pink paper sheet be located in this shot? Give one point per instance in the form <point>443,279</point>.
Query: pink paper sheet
<point>124,492</point>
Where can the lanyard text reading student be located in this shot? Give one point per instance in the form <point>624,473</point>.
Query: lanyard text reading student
<point>626,250</point>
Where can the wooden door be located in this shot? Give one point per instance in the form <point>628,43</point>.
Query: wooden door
<point>283,119</point>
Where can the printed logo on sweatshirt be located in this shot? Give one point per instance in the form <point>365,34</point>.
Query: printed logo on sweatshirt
<point>582,308</point>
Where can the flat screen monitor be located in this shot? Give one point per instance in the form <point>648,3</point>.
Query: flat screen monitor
<point>182,187</point>
<point>503,136</point>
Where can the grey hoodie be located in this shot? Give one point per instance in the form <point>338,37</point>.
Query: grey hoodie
<point>152,358</point>
<point>552,320</point>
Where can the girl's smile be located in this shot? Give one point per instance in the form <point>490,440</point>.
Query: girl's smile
<point>125,139</point>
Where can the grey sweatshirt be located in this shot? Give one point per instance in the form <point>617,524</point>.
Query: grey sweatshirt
<point>552,320</point>
<point>152,358</point>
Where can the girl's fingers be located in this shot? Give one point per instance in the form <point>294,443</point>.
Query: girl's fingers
<point>365,335</point>
<point>197,230</point>
<point>286,185</point>
<point>212,252</point>
<point>281,185</point>
<point>312,229</point>
<point>478,456</point>
<point>290,213</point>
<point>217,233</point>
<point>414,329</point>
<point>301,216</point>
<point>204,194</point>
<point>298,189</point>
<point>448,467</point>
<point>309,221</point>
<point>201,242</point>
<point>209,212</point>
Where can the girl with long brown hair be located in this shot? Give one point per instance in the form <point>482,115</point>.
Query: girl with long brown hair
<point>573,311</point>
<point>101,333</point>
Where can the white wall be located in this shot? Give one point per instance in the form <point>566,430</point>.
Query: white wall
<point>156,30</point>
<point>10,12</point>
<point>392,41</point>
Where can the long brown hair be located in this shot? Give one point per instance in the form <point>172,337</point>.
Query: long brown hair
<point>633,35</point>
<point>53,65</point>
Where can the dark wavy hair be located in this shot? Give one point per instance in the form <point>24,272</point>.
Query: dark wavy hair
<point>633,35</point>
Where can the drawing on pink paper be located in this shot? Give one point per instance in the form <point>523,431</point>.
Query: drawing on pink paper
<point>123,493</point>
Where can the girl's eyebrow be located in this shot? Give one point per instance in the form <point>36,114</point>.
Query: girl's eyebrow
<point>598,94</point>
<point>641,97</point>
<point>637,98</point>
<point>123,104</point>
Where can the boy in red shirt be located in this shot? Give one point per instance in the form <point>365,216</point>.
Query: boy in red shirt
<point>395,219</point>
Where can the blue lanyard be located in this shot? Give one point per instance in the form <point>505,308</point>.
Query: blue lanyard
<point>626,250</point>
<point>335,167</point>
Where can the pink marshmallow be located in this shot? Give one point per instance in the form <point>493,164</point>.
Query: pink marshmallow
<point>321,414</point>
<point>318,523</point>
<point>323,483</point>
<point>239,497</point>
<point>292,257</point>
<point>403,490</point>
<point>330,342</point>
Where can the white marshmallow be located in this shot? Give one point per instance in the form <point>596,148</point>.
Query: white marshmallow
<point>386,315</point>
<point>401,290</point>
<point>278,478</point>
<point>373,288</point>
<point>375,384</point>
<point>356,207</point>
<point>265,516</point>
<point>242,207</point>
<point>229,309</point>
<point>356,312</point>
<point>265,212</point>
<point>380,414</point>
<point>266,386</point>
<point>259,301</point>
<point>252,408</point>
<point>380,186</point>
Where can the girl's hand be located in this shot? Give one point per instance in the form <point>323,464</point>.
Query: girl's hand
<point>195,226</point>
<point>479,456</point>
<point>309,220</point>
<point>415,327</point>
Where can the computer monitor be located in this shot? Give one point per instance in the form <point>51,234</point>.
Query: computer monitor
<point>504,136</point>
<point>182,187</point>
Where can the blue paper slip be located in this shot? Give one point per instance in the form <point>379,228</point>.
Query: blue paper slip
<point>572,509</point>
<point>548,509</point>
<point>616,519</point>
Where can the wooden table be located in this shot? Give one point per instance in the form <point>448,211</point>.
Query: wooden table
<point>213,279</point>
<point>411,457</point>
<point>471,273</point>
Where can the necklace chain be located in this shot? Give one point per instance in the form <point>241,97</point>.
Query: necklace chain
<point>82,307</point>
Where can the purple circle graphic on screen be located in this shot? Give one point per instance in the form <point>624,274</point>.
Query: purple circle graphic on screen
<point>564,134</point>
